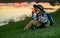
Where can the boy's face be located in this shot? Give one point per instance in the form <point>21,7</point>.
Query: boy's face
<point>38,10</point>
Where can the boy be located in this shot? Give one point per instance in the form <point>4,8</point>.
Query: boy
<point>40,18</point>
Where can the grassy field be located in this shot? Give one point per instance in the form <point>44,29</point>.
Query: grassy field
<point>14,30</point>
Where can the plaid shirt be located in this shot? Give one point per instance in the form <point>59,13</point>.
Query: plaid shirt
<point>42,17</point>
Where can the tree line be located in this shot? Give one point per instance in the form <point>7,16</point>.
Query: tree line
<point>8,1</point>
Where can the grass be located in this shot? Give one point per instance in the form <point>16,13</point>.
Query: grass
<point>14,30</point>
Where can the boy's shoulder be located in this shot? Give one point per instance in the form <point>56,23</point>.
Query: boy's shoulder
<point>47,13</point>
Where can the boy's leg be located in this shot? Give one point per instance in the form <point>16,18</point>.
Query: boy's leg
<point>38,24</point>
<point>28,25</point>
<point>31,23</point>
<point>46,25</point>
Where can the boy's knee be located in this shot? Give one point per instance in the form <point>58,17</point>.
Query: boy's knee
<point>31,21</point>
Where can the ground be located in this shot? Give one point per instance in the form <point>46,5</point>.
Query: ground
<point>14,30</point>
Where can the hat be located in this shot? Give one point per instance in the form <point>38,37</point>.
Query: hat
<point>39,7</point>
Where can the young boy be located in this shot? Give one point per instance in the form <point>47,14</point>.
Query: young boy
<point>40,19</point>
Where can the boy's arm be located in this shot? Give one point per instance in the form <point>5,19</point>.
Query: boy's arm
<point>33,16</point>
<point>50,19</point>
